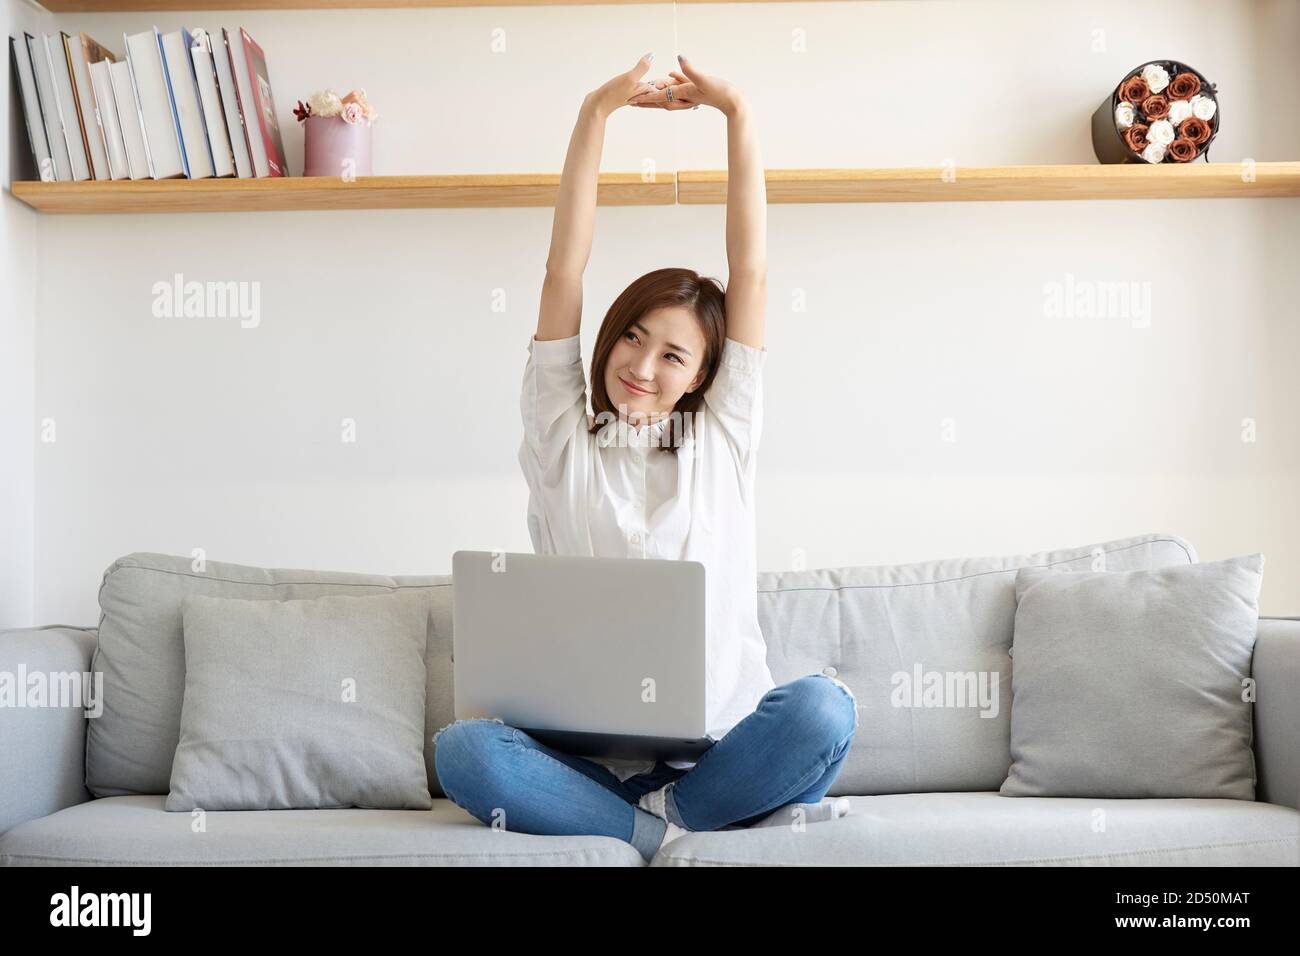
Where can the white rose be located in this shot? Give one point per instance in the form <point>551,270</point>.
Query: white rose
<point>1161,132</point>
<point>1203,107</point>
<point>1157,76</point>
<point>1179,110</point>
<point>325,103</point>
<point>1124,115</point>
<point>1154,153</point>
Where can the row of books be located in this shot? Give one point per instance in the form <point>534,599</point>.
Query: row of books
<point>181,104</point>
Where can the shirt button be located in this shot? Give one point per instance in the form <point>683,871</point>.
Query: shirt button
<point>636,538</point>
<point>829,671</point>
<point>636,459</point>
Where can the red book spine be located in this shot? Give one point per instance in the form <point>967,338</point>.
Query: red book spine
<point>259,80</point>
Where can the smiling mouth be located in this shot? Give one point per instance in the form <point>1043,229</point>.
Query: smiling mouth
<point>633,389</point>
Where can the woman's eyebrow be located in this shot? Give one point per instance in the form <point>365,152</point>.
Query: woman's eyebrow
<point>646,331</point>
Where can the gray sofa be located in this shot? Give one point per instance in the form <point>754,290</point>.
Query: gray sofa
<point>923,782</point>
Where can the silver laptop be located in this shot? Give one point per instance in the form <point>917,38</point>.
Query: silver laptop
<point>592,656</point>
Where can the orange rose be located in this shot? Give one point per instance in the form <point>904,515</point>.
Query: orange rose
<point>1184,86</point>
<point>1182,150</point>
<point>1194,129</point>
<point>1155,107</point>
<point>1136,137</point>
<point>359,97</point>
<point>1134,89</point>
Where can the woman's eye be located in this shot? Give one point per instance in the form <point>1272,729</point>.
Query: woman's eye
<point>631,336</point>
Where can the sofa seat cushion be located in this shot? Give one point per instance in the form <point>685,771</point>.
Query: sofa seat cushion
<point>988,829</point>
<point>137,831</point>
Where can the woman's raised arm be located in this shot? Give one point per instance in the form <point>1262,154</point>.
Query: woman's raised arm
<point>746,229</point>
<point>746,193</point>
<point>575,205</point>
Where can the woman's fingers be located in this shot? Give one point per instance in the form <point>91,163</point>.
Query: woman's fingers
<point>712,91</point>
<point>642,88</point>
<point>683,94</point>
<point>651,86</point>
<point>636,76</point>
<point>692,74</point>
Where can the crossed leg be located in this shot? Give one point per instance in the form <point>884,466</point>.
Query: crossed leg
<point>789,750</point>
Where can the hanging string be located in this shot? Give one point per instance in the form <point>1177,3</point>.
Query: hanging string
<point>677,151</point>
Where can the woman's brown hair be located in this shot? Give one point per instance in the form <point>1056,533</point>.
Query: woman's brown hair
<point>654,290</point>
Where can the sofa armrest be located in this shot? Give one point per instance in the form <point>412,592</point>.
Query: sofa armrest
<point>43,762</point>
<point>1276,670</point>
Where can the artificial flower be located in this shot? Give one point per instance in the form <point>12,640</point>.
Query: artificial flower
<point>1156,76</point>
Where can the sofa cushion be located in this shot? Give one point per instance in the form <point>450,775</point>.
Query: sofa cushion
<point>303,704</point>
<point>137,831</point>
<point>987,829</point>
<point>1131,683</point>
<point>864,623</point>
<point>924,649</point>
<point>141,653</point>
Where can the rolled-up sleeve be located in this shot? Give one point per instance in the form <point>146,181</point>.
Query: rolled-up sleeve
<point>735,397</point>
<point>554,397</point>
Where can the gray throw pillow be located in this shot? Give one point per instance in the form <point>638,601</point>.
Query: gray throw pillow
<point>309,704</point>
<point>1134,683</point>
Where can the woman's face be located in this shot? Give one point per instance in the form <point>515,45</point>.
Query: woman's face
<point>658,359</point>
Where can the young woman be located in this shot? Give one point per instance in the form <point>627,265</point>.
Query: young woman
<point>664,469</point>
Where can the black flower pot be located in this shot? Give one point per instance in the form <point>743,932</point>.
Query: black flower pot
<point>1108,142</point>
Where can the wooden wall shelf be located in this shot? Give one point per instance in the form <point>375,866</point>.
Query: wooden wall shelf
<point>971,184</point>
<point>293,193</point>
<point>1006,183</point>
<point>132,6</point>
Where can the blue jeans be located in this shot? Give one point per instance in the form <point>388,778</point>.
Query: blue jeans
<point>789,750</point>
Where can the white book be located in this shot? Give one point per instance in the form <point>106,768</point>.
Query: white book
<point>80,51</point>
<point>50,109</point>
<point>36,134</point>
<point>66,102</point>
<point>101,82</point>
<point>214,116</point>
<point>230,106</point>
<point>128,118</point>
<point>195,152</point>
<point>247,105</point>
<point>162,144</point>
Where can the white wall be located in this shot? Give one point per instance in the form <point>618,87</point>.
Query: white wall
<point>19,230</point>
<point>175,434</point>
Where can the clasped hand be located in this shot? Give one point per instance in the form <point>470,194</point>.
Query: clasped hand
<point>690,89</point>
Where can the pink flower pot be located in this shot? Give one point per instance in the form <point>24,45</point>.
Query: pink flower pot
<point>335,147</point>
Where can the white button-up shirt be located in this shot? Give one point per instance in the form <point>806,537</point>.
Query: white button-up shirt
<point>614,493</point>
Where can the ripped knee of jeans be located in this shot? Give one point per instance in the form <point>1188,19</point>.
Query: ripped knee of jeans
<point>438,733</point>
<point>848,690</point>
